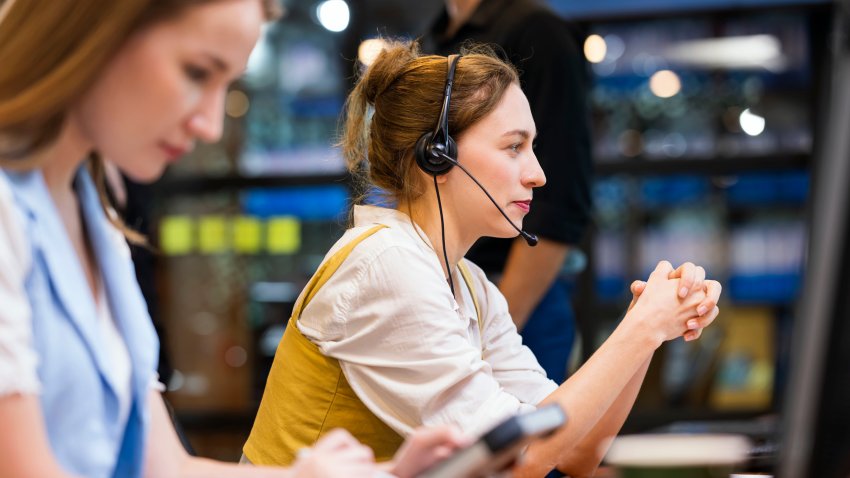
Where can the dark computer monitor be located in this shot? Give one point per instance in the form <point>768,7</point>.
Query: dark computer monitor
<point>815,435</point>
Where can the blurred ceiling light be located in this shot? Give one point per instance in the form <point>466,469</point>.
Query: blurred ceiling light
<point>595,49</point>
<point>751,123</point>
<point>369,50</point>
<point>665,84</point>
<point>333,15</point>
<point>740,52</point>
<point>236,104</point>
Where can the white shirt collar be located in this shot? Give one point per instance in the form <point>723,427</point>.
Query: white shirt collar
<point>369,215</point>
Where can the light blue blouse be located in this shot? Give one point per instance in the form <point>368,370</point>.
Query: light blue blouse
<point>78,390</point>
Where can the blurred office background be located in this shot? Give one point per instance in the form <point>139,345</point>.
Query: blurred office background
<point>705,117</point>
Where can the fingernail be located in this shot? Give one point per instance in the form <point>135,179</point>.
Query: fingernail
<point>701,310</point>
<point>683,292</point>
<point>688,337</point>
<point>692,324</point>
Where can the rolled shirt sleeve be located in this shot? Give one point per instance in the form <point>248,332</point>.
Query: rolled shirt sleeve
<point>18,358</point>
<point>514,365</point>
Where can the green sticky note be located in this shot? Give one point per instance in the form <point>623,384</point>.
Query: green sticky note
<point>176,235</point>
<point>247,235</point>
<point>283,235</point>
<point>212,235</point>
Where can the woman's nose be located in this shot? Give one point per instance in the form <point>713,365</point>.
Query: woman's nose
<point>207,122</point>
<point>534,176</point>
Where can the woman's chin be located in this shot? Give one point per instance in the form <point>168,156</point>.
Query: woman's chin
<point>144,175</point>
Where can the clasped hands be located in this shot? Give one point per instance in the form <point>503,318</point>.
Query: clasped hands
<point>682,301</point>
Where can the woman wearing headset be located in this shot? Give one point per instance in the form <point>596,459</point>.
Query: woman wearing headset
<point>137,81</point>
<point>397,330</point>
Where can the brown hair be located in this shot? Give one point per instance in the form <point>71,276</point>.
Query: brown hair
<point>51,52</point>
<point>405,90</point>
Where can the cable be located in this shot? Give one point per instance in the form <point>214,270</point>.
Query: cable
<point>443,234</point>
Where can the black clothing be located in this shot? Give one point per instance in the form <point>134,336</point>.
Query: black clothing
<point>554,76</point>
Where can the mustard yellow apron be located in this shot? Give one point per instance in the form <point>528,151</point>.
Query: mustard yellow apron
<point>307,395</point>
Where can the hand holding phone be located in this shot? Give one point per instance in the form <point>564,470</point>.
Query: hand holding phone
<point>501,446</point>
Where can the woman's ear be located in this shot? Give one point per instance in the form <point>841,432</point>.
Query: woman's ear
<point>425,180</point>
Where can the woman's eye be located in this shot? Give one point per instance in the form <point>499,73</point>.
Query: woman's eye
<point>515,147</point>
<point>196,73</point>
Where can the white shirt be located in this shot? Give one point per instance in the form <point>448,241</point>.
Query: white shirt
<point>414,354</point>
<point>18,357</point>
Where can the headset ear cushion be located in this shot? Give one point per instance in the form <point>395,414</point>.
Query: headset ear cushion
<point>431,164</point>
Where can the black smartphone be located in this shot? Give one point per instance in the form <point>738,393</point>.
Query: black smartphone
<point>500,446</point>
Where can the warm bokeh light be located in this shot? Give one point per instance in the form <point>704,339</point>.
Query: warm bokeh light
<point>236,104</point>
<point>595,49</point>
<point>369,50</point>
<point>751,123</point>
<point>665,84</point>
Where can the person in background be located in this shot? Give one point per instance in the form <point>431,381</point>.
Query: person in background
<point>138,82</point>
<point>553,76</point>
<point>397,330</point>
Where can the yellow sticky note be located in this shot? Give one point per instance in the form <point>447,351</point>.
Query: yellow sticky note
<point>283,235</point>
<point>247,235</point>
<point>176,235</point>
<point>212,235</point>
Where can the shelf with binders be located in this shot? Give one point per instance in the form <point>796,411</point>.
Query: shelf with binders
<point>243,256</point>
<point>230,266</point>
<point>747,230</point>
<point>704,156</point>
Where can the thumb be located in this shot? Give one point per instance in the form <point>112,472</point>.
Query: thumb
<point>638,287</point>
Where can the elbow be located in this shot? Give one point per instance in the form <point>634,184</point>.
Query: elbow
<point>582,462</point>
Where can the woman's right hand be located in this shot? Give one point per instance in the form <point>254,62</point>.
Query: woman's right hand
<point>335,455</point>
<point>661,312</point>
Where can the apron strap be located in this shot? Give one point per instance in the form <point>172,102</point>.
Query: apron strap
<point>327,269</point>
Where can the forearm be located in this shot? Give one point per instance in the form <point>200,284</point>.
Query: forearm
<point>24,447</point>
<point>166,456</point>
<point>583,459</point>
<point>589,394</point>
<point>529,273</point>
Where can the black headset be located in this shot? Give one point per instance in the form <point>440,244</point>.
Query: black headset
<point>432,148</point>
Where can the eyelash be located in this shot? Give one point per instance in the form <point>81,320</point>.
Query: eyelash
<point>196,73</point>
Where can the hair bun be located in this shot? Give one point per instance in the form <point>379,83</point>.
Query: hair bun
<point>387,67</point>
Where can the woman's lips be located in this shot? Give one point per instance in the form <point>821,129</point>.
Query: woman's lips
<point>173,153</point>
<point>524,205</point>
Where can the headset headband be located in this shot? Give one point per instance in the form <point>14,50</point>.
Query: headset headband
<point>441,130</point>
